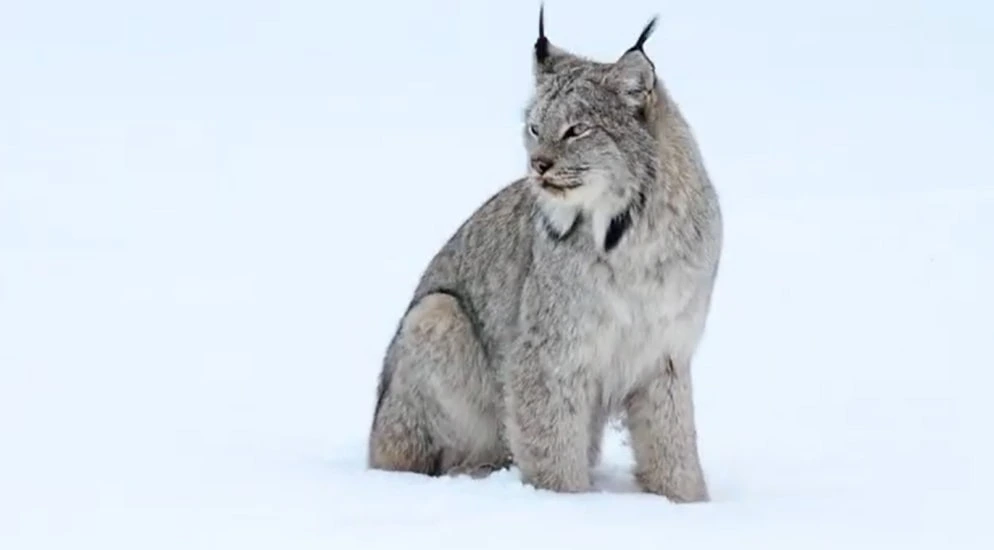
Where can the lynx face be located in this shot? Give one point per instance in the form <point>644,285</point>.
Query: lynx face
<point>587,128</point>
<point>583,140</point>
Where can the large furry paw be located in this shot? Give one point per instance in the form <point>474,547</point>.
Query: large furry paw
<point>678,487</point>
<point>479,471</point>
<point>558,481</point>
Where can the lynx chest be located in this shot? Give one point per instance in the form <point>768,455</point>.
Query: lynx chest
<point>638,318</point>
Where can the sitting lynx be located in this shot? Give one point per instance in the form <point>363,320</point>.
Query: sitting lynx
<point>574,294</point>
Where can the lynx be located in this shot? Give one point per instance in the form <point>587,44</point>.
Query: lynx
<point>576,294</point>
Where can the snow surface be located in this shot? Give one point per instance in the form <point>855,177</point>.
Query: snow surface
<point>212,215</point>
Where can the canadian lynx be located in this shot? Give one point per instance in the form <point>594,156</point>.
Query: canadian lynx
<point>573,295</point>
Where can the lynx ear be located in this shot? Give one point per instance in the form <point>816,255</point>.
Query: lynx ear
<point>634,74</point>
<point>548,58</point>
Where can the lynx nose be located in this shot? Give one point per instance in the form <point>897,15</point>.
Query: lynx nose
<point>541,165</point>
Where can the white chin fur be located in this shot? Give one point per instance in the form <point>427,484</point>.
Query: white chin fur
<point>585,197</point>
<point>559,214</point>
<point>592,199</point>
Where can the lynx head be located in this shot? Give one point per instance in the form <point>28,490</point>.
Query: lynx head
<point>589,129</point>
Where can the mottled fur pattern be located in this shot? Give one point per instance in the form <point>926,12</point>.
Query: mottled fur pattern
<point>575,294</point>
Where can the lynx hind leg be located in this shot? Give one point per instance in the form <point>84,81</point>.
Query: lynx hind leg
<point>438,399</point>
<point>400,439</point>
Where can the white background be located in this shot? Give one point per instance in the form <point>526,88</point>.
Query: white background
<point>212,215</point>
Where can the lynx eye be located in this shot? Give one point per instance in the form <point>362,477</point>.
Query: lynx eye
<point>533,130</point>
<point>576,130</point>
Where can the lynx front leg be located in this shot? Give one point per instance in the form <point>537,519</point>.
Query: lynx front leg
<point>664,438</point>
<point>598,421</point>
<point>548,427</point>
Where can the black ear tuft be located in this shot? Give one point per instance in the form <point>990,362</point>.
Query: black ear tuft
<point>542,44</point>
<point>646,33</point>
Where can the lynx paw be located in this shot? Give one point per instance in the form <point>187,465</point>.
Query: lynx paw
<point>675,486</point>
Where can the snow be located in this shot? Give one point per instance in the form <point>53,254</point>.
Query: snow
<point>212,215</point>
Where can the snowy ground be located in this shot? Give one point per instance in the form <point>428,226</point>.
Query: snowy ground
<point>211,216</point>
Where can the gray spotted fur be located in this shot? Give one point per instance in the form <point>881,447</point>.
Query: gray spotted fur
<point>567,298</point>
